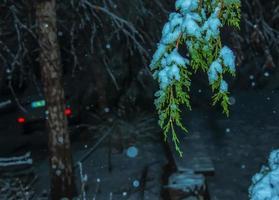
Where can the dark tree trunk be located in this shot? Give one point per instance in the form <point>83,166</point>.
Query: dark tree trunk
<point>60,158</point>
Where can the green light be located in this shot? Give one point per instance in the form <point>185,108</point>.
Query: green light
<point>37,104</point>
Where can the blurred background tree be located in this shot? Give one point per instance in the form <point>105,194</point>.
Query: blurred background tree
<point>59,145</point>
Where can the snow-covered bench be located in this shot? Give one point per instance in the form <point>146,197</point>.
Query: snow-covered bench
<point>195,159</point>
<point>194,156</point>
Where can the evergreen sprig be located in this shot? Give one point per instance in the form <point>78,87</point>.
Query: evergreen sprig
<point>197,24</point>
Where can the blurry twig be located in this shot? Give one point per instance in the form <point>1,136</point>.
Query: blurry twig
<point>111,74</point>
<point>15,97</point>
<point>83,180</point>
<point>97,188</point>
<point>22,191</point>
<point>91,150</point>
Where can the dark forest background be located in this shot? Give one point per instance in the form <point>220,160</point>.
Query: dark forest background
<point>106,48</point>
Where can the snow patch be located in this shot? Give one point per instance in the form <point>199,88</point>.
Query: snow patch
<point>265,184</point>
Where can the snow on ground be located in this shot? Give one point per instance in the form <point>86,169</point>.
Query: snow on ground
<point>265,184</point>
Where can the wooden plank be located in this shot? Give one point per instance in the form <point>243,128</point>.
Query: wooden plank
<point>194,156</point>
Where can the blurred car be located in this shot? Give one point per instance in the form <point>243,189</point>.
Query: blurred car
<point>33,113</point>
<point>30,113</point>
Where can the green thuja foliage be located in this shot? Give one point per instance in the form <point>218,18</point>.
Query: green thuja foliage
<point>195,25</point>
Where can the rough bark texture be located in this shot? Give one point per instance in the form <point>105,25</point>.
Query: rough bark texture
<point>61,168</point>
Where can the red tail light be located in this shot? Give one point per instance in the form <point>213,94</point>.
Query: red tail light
<point>68,111</point>
<point>21,120</point>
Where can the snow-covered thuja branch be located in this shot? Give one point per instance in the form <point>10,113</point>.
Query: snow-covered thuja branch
<point>196,23</point>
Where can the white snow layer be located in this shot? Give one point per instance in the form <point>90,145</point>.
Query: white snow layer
<point>170,70</point>
<point>265,184</point>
